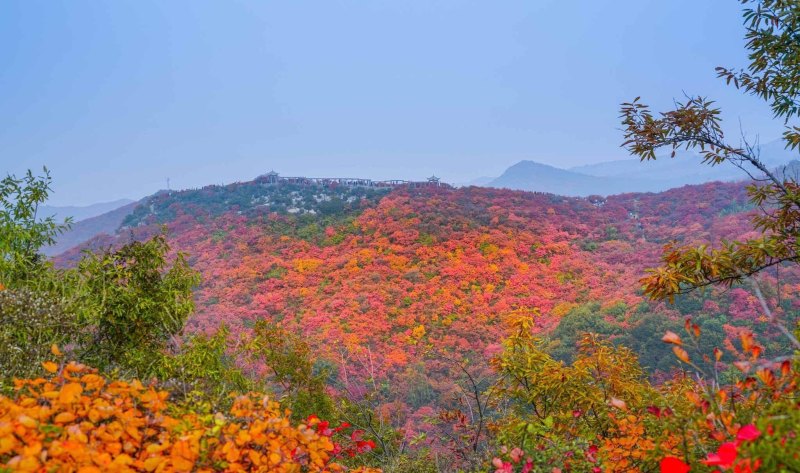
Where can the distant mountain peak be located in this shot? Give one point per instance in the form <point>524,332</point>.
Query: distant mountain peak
<point>633,175</point>
<point>82,212</point>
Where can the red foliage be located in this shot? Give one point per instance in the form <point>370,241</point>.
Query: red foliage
<point>438,270</point>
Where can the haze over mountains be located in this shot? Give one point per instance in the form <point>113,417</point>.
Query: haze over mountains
<point>629,175</point>
<point>605,178</point>
<point>79,213</point>
<point>85,229</point>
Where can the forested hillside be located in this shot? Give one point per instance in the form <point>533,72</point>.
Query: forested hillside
<point>384,286</point>
<point>350,325</point>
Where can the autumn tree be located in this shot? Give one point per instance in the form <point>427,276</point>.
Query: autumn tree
<point>773,28</point>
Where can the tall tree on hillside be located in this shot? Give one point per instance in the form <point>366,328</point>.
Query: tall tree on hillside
<point>773,40</point>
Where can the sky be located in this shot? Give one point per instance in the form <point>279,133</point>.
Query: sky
<point>116,97</point>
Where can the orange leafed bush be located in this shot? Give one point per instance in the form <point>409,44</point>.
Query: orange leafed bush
<point>78,421</point>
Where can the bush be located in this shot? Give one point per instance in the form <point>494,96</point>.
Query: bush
<point>77,420</point>
<point>30,324</point>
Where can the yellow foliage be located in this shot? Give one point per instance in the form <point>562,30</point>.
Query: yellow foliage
<point>418,332</point>
<point>305,265</point>
<point>79,421</point>
<point>562,308</point>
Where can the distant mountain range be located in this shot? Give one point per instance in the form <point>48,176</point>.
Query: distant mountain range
<point>629,175</point>
<point>79,213</point>
<point>96,219</point>
<point>606,178</point>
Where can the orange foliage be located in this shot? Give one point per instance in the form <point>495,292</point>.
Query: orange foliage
<point>456,261</point>
<point>78,421</point>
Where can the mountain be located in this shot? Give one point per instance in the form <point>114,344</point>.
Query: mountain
<point>533,176</point>
<point>79,213</point>
<point>386,284</point>
<point>630,175</point>
<point>88,228</point>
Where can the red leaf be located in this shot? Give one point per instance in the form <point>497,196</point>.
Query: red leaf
<point>725,456</point>
<point>748,433</point>
<point>673,465</point>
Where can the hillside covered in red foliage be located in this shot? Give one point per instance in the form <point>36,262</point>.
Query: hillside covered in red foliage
<point>393,287</point>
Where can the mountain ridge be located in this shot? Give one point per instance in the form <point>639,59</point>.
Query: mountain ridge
<point>82,212</point>
<point>630,175</point>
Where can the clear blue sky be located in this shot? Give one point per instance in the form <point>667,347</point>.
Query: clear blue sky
<point>116,96</point>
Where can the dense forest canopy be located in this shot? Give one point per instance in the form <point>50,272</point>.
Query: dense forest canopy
<point>287,327</point>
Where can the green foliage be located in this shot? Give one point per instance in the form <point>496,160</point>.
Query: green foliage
<point>773,75</point>
<point>290,363</point>
<point>412,462</point>
<point>774,72</point>
<point>23,232</point>
<point>287,199</point>
<point>778,446</point>
<point>203,368</point>
<point>30,324</point>
<point>573,326</point>
<point>540,387</point>
<point>566,407</point>
<point>134,303</point>
<point>390,452</point>
<point>122,310</point>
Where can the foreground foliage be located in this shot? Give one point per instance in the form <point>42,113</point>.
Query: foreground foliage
<point>442,329</point>
<point>77,420</point>
<point>600,414</point>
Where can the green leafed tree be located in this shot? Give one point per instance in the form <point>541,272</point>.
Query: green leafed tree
<point>135,303</point>
<point>773,74</point>
<point>23,231</point>
<point>290,368</point>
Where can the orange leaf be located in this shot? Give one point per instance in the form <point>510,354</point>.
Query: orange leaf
<point>766,376</point>
<point>747,341</point>
<point>70,393</point>
<point>89,469</point>
<point>618,403</point>
<point>672,337</point>
<point>756,351</point>
<point>50,367</point>
<point>64,417</point>
<point>54,350</point>
<point>681,354</point>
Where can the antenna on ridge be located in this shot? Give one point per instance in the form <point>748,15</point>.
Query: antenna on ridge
<point>168,189</point>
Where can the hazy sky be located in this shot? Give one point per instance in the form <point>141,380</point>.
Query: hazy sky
<point>116,96</point>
